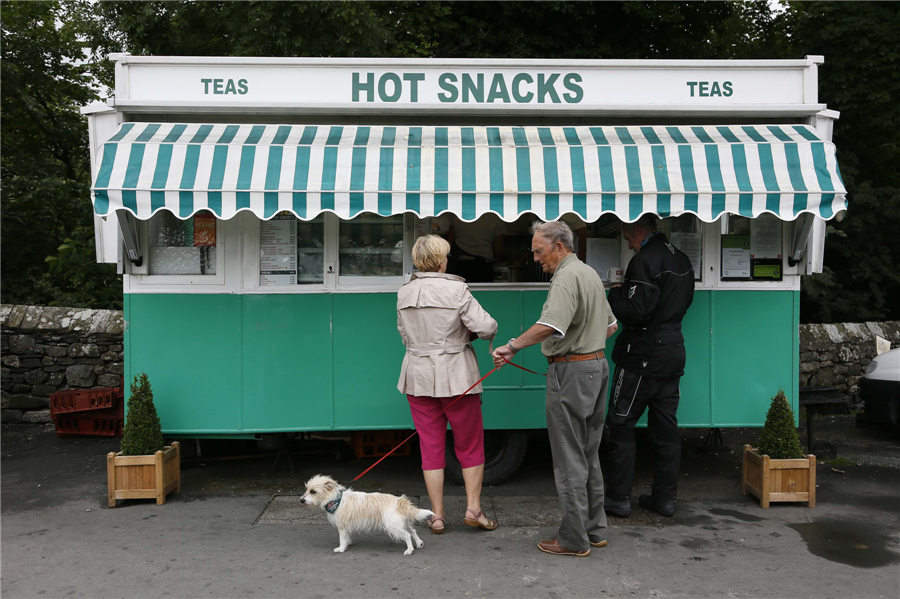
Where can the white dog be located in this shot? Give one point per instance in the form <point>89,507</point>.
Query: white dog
<point>352,512</point>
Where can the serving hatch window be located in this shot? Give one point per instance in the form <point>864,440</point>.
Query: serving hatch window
<point>486,250</point>
<point>490,250</point>
<point>182,247</point>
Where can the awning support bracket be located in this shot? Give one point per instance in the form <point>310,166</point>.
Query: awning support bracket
<point>131,236</point>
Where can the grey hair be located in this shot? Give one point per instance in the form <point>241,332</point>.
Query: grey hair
<point>646,221</point>
<point>554,231</point>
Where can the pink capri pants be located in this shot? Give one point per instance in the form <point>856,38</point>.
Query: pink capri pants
<point>431,422</point>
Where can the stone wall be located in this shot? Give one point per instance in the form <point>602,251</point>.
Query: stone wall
<point>836,355</point>
<point>46,349</point>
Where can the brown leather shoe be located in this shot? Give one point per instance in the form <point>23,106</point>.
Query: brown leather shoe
<point>554,548</point>
<point>598,543</point>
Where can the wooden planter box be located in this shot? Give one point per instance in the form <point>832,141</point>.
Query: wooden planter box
<point>779,480</point>
<point>144,476</point>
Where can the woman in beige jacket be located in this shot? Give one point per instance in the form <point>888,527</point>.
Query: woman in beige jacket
<point>437,318</point>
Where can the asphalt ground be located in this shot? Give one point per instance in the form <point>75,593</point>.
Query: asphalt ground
<point>237,530</point>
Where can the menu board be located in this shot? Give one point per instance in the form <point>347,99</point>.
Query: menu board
<point>765,237</point>
<point>735,256</point>
<point>692,245</point>
<point>278,251</point>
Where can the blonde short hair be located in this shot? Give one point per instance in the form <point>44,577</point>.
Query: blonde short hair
<point>429,251</point>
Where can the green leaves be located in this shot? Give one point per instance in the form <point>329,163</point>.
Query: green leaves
<point>779,438</point>
<point>44,158</point>
<point>74,278</point>
<point>142,434</point>
<point>861,45</point>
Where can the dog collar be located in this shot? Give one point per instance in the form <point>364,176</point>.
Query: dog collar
<point>332,506</point>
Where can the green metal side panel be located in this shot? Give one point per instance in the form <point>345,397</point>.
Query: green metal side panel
<point>753,346</point>
<point>190,348</point>
<point>795,369</point>
<point>231,364</point>
<point>694,408</point>
<point>512,398</point>
<point>368,353</point>
<point>287,362</point>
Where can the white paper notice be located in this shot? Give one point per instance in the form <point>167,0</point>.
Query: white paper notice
<point>278,252</point>
<point>692,245</point>
<point>422,227</point>
<point>735,263</point>
<point>881,345</point>
<point>603,254</point>
<point>765,237</point>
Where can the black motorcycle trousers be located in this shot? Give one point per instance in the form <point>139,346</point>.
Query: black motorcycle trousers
<point>631,394</point>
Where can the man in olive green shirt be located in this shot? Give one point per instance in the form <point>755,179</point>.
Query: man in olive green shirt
<point>575,322</point>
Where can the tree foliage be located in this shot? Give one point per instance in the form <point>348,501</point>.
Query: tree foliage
<point>861,45</point>
<point>45,169</point>
<point>779,439</point>
<point>142,434</point>
<point>44,158</point>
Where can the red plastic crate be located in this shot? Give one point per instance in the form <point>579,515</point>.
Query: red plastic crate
<point>99,423</point>
<point>84,400</point>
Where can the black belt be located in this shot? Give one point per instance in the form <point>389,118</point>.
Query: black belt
<point>662,327</point>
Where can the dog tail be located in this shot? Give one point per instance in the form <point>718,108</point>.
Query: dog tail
<point>411,512</point>
<point>422,515</point>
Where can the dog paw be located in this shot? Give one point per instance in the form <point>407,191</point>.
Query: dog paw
<point>408,552</point>
<point>340,549</point>
<point>420,544</point>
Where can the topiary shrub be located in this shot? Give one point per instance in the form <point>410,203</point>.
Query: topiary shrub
<point>142,434</point>
<point>779,439</point>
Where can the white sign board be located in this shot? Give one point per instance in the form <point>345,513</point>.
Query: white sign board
<point>735,263</point>
<point>882,345</point>
<point>765,236</point>
<point>358,85</point>
<point>604,254</point>
<point>692,245</point>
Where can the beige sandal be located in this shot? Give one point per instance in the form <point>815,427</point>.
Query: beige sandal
<point>491,525</point>
<point>435,530</point>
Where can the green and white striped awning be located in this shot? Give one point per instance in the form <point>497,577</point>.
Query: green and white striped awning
<point>786,170</point>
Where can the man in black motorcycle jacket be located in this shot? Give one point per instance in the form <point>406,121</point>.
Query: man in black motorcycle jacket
<point>649,355</point>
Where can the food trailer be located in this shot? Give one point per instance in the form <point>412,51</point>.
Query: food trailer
<point>262,212</point>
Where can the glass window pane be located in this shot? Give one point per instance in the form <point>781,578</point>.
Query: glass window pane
<point>182,247</point>
<point>752,248</point>
<point>686,233</point>
<point>311,251</point>
<point>291,251</point>
<point>371,246</point>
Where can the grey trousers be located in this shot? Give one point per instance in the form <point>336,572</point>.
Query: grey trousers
<point>576,410</point>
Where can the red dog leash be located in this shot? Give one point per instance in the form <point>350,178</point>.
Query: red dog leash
<point>493,370</point>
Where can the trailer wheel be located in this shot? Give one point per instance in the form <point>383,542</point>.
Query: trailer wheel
<point>503,454</point>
